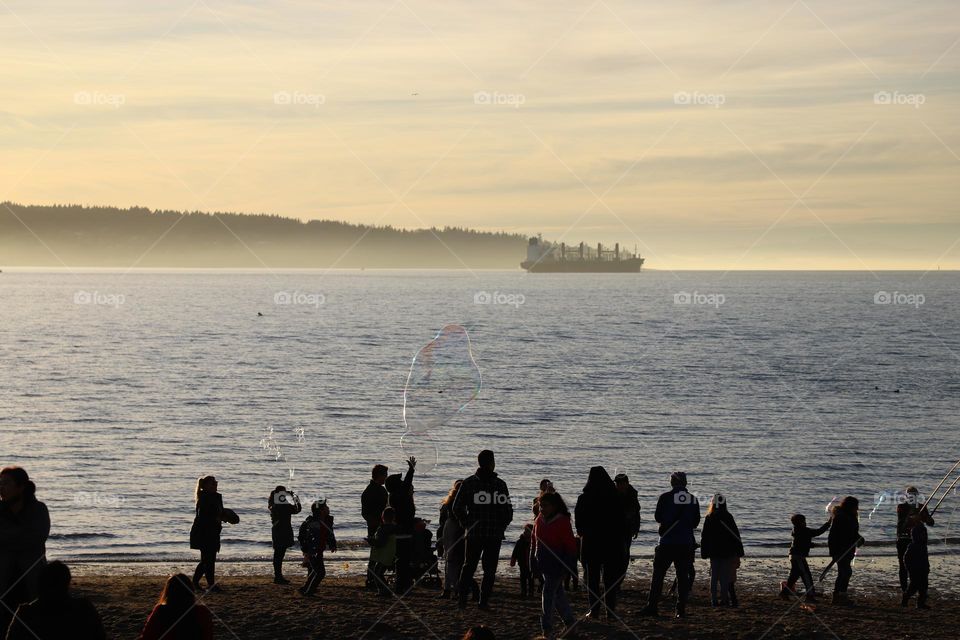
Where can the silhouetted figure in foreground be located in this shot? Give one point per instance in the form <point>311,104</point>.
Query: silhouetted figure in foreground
<point>479,632</point>
<point>56,614</point>
<point>843,541</point>
<point>720,543</point>
<point>483,509</point>
<point>205,533</point>
<point>556,551</point>
<point>316,536</point>
<point>401,499</point>
<point>24,528</point>
<point>602,527</point>
<point>799,551</point>
<point>177,615</point>
<point>910,513</point>
<point>678,513</point>
<point>450,543</point>
<point>283,505</point>
<point>918,567</point>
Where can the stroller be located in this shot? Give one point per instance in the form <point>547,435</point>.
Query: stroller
<point>424,562</point>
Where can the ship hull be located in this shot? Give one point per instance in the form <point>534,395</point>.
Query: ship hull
<point>632,265</point>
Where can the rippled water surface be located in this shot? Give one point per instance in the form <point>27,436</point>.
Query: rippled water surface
<point>779,389</point>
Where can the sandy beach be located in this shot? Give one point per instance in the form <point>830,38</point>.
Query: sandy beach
<point>252,607</point>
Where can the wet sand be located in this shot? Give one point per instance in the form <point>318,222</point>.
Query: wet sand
<point>253,607</point>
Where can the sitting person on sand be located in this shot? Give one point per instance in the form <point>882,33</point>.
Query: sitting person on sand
<point>479,632</point>
<point>918,567</point>
<point>56,614</point>
<point>799,550</point>
<point>177,616</point>
<point>316,536</point>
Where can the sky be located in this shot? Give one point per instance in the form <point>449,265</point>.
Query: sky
<point>711,135</point>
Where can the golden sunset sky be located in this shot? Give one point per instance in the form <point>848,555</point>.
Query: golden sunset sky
<point>712,134</point>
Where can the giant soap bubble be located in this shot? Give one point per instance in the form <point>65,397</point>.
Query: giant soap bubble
<point>443,379</point>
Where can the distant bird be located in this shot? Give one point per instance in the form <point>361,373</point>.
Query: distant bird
<point>259,315</point>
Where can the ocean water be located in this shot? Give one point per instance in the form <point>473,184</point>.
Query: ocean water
<point>781,390</point>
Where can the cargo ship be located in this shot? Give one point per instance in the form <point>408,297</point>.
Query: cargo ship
<point>549,257</point>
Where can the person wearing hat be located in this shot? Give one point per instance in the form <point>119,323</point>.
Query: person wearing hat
<point>678,514</point>
<point>910,513</point>
<point>316,536</point>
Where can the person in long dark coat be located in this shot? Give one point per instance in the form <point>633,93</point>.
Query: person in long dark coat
<point>602,526</point>
<point>843,540</point>
<point>401,499</point>
<point>283,505</point>
<point>205,533</point>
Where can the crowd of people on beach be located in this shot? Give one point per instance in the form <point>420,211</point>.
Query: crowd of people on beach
<point>473,519</point>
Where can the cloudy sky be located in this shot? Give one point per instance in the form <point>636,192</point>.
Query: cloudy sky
<point>712,134</point>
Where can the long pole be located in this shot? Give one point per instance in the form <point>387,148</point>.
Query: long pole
<point>934,492</point>
<point>945,494</point>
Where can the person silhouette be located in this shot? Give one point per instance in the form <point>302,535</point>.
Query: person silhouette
<point>283,505</point>
<point>483,509</point>
<point>205,533</point>
<point>55,613</point>
<point>678,513</point>
<point>24,528</point>
<point>177,615</point>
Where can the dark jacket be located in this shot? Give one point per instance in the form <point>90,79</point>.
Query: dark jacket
<point>25,533</point>
<point>909,516</point>
<point>316,535</point>
<point>844,535</point>
<point>631,510</point>
<point>373,501</point>
<point>803,539</point>
<point>205,533</point>
<point>46,620</point>
<point>678,513</point>
<point>401,499</point>
<point>482,506</point>
<point>916,557</point>
<point>281,525</point>
<point>720,537</point>
<point>521,552</point>
<point>599,515</point>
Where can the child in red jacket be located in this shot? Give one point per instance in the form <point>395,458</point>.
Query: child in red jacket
<point>555,549</point>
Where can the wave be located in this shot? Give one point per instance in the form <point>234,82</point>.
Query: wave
<point>82,536</point>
